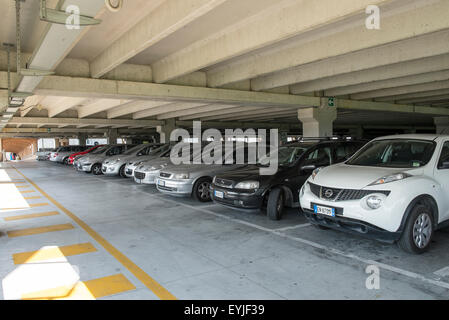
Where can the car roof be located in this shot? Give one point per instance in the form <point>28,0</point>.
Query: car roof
<point>430,137</point>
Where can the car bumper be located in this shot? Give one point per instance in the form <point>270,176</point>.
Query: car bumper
<point>238,200</point>
<point>110,170</point>
<point>179,188</point>
<point>84,168</point>
<point>129,172</point>
<point>147,177</point>
<point>379,222</point>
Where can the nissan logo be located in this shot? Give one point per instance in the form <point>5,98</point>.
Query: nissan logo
<point>328,193</point>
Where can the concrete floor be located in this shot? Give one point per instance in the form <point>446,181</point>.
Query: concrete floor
<point>190,250</point>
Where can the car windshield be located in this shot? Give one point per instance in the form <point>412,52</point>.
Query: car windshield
<point>395,153</point>
<point>100,150</point>
<point>287,155</point>
<point>134,150</point>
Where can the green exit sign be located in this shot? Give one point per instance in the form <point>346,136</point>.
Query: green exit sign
<point>49,130</point>
<point>331,102</point>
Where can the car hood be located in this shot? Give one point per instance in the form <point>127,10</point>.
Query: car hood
<point>158,163</point>
<point>249,172</point>
<point>344,176</point>
<point>93,158</point>
<point>120,157</point>
<point>136,159</point>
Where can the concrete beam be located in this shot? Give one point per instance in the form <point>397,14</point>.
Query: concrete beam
<point>195,111</point>
<point>64,105</point>
<point>388,92</point>
<point>218,113</point>
<point>100,106</point>
<point>90,122</point>
<point>409,96</point>
<point>237,115</point>
<point>30,104</point>
<point>162,22</point>
<point>413,23</point>
<point>279,22</point>
<point>112,89</point>
<point>434,100</point>
<point>133,107</point>
<point>166,108</point>
<point>390,83</point>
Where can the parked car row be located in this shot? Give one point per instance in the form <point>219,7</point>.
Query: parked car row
<point>392,189</point>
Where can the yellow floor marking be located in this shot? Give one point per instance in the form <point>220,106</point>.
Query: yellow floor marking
<point>32,216</point>
<point>12,182</point>
<point>32,231</point>
<point>32,198</point>
<point>22,187</point>
<point>87,290</point>
<point>149,282</point>
<point>36,205</point>
<point>52,253</point>
<point>29,191</point>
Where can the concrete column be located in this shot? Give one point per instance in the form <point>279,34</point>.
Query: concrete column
<point>442,124</point>
<point>112,136</point>
<point>82,137</point>
<point>165,130</point>
<point>318,122</point>
<point>57,144</point>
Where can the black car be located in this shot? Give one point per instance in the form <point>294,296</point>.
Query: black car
<point>246,189</point>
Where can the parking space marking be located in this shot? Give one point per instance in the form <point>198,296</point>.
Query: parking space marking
<point>381,265</point>
<point>39,230</point>
<point>143,277</point>
<point>299,226</point>
<point>31,216</point>
<point>87,290</point>
<point>22,187</point>
<point>444,272</point>
<point>51,253</point>
<point>25,192</point>
<point>33,198</point>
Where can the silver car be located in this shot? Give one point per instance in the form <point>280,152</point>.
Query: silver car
<point>92,162</point>
<point>115,165</point>
<point>133,163</point>
<point>62,154</point>
<point>44,154</point>
<point>148,171</point>
<point>194,179</point>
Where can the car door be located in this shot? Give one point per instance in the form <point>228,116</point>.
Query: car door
<point>320,156</point>
<point>442,177</point>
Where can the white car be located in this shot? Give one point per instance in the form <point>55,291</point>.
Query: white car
<point>395,189</point>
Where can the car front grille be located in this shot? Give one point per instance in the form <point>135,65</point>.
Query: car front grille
<point>165,175</point>
<point>223,183</point>
<point>333,194</point>
<point>139,175</point>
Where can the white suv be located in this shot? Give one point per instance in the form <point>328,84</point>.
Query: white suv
<point>395,189</point>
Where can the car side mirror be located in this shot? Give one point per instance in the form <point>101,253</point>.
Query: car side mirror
<point>308,168</point>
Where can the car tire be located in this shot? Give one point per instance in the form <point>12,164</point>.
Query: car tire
<point>418,231</point>
<point>96,169</point>
<point>201,190</point>
<point>275,205</point>
<point>121,172</point>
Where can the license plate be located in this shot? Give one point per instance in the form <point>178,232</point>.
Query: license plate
<point>219,194</point>
<point>161,183</point>
<point>324,211</point>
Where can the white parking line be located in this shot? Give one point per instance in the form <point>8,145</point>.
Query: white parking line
<point>444,272</point>
<point>293,227</point>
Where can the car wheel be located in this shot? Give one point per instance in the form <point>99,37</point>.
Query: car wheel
<point>122,171</point>
<point>275,205</point>
<point>418,231</point>
<point>96,169</point>
<point>201,190</point>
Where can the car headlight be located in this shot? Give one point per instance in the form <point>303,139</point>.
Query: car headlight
<point>374,202</point>
<point>182,176</point>
<point>315,173</point>
<point>391,178</point>
<point>248,185</point>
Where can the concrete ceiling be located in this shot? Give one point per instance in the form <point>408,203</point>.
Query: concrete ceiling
<point>238,61</point>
